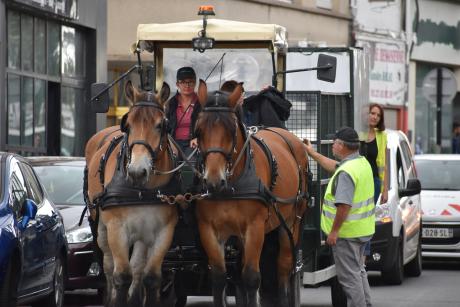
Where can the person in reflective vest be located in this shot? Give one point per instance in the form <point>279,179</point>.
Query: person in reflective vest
<point>348,217</point>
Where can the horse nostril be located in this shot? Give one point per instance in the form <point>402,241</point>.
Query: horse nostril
<point>223,183</point>
<point>144,172</point>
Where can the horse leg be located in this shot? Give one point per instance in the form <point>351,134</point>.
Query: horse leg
<point>107,263</point>
<point>118,243</point>
<point>250,276</point>
<point>215,251</point>
<point>285,267</point>
<point>152,271</point>
<point>137,263</point>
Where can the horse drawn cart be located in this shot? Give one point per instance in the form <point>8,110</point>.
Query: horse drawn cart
<point>256,54</point>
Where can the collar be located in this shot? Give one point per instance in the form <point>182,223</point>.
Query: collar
<point>351,156</point>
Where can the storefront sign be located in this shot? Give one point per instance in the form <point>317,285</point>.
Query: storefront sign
<point>387,72</point>
<point>66,8</point>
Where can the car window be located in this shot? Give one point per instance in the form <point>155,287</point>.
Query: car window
<point>438,175</point>
<point>400,171</point>
<point>35,191</point>
<point>17,188</point>
<point>63,183</point>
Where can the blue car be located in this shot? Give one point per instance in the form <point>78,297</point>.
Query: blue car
<point>33,245</point>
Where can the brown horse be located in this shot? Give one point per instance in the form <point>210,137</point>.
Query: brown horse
<point>245,203</point>
<point>127,169</point>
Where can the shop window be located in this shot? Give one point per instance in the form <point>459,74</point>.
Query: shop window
<point>14,39</point>
<point>39,46</point>
<point>69,98</point>
<point>27,115</point>
<point>27,42</point>
<point>39,114</point>
<point>53,48</point>
<point>73,54</point>
<point>14,114</point>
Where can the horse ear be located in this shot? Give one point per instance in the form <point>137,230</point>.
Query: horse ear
<point>164,93</point>
<point>202,93</point>
<point>129,91</point>
<point>235,95</point>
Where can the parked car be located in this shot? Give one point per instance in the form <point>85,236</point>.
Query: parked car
<point>440,179</point>
<point>396,245</point>
<point>33,246</point>
<point>62,178</point>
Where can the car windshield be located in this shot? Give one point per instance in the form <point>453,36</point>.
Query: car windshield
<point>438,175</point>
<point>64,184</point>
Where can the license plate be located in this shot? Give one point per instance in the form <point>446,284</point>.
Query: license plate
<point>437,233</point>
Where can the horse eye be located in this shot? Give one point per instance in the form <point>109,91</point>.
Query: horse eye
<point>158,127</point>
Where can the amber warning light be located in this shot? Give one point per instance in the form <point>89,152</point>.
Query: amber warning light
<point>206,10</point>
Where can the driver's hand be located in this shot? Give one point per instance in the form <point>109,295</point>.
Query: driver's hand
<point>194,143</point>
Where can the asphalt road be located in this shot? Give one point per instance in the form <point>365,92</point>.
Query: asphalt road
<point>438,286</point>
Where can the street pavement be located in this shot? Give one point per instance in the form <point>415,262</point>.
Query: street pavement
<point>438,286</point>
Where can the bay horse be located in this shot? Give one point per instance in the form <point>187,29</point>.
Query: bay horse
<point>126,172</point>
<point>257,184</point>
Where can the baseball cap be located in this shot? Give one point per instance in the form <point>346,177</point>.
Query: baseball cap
<point>346,134</point>
<point>185,73</point>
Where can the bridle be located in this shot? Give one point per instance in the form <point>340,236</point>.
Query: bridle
<point>214,105</point>
<point>129,147</point>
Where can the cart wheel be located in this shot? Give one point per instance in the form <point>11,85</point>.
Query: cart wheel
<point>181,301</point>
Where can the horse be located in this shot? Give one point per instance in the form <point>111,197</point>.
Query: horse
<point>126,171</point>
<point>257,185</point>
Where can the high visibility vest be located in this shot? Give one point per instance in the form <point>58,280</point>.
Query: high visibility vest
<point>381,139</point>
<point>360,221</point>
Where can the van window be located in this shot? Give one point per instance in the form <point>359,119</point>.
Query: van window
<point>400,171</point>
<point>407,154</point>
<point>438,175</point>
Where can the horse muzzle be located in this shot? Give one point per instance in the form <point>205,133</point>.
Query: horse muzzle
<point>215,186</point>
<point>138,175</point>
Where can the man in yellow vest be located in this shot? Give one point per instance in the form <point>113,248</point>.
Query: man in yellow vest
<point>347,216</point>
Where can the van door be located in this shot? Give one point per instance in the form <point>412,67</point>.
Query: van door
<point>413,204</point>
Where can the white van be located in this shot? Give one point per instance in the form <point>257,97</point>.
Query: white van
<point>396,245</point>
<point>440,179</point>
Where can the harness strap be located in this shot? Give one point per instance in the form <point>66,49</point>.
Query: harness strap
<point>102,142</point>
<point>113,143</point>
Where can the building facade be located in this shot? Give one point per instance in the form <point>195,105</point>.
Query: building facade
<point>379,28</point>
<point>308,22</point>
<point>50,53</point>
<point>435,45</point>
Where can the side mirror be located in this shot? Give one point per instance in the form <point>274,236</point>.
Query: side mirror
<point>148,77</point>
<point>29,212</point>
<point>100,104</point>
<point>327,68</point>
<point>413,187</point>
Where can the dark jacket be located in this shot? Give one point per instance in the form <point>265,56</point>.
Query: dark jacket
<point>268,108</point>
<point>171,108</point>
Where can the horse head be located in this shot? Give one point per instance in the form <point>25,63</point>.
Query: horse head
<point>217,131</point>
<point>145,126</point>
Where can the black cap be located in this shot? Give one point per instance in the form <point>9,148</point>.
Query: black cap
<point>347,134</point>
<point>185,73</point>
